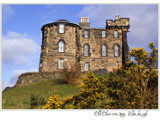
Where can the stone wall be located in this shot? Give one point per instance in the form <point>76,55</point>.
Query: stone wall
<point>50,54</point>
<point>96,60</point>
<point>75,41</point>
<point>31,77</point>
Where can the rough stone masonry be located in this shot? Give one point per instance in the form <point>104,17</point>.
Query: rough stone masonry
<point>65,43</point>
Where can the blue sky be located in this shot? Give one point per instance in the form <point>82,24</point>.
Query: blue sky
<point>21,30</point>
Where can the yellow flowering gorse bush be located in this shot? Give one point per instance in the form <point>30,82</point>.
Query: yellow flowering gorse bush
<point>91,95</point>
<point>53,103</point>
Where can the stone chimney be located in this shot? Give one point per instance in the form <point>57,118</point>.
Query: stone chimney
<point>84,23</point>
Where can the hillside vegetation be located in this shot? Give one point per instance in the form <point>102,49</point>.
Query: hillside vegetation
<point>19,98</point>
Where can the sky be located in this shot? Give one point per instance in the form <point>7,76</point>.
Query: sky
<point>22,37</point>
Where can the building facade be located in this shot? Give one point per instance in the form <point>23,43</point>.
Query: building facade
<point>64,43</point>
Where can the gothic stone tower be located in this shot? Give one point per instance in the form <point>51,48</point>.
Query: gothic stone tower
<point>64,43</point>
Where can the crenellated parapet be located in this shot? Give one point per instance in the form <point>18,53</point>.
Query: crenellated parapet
<point>118,23</point>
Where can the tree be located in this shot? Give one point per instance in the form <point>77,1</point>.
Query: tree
<point>136,85</point>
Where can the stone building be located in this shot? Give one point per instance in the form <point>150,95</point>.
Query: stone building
<point>64,43</point>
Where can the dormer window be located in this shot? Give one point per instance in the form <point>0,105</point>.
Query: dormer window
<point>61,28</point>
<point>86,34</point>
<point>115,34</point>
<point>103,34</point>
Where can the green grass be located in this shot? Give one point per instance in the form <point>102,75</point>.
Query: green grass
<point>19,98</point>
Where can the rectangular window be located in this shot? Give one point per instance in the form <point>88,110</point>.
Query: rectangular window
<point>61,64</point>
<point>116,50</point>
<point>86,34</point>
<point>103,34</point>
<point>86,67</point>
<point>115,34</point>
<point>61,28</point>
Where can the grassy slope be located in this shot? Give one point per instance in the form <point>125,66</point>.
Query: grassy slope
<point>19,98</point>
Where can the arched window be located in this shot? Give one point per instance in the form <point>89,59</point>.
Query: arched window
<point>116,50</point>
<point>115,34</point>
<point>104,50</point>
<point>61,46</point>
<point>86,50</point>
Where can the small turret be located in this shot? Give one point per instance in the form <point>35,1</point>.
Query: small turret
<point>123,22</point>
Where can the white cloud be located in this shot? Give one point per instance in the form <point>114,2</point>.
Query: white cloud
<point>18,49</point>
<point>55,10</point>
<point>5,84</point>
<point>52,12</point>
<point>143,20</point>
<point>7,12</point>
<point>16,73</point>
<point>14,77</point>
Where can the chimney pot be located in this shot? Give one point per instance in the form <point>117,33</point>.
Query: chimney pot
<point>116,16</point>
<point>81,19</point>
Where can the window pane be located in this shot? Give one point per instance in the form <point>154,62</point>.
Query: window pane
<point>61,46</point>
<point>115,33</point>
<point>61,64</point>
<point>116,50</point>
<point>86,34</point>
<point>86,67</point>
<point>86,50</point>
<point>104,50</point>
<point>61,28</point>
<point>103,33</point>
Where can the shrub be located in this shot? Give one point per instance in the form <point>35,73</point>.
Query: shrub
<point>36,101</point>
<point>91,95</point>
<point>72,74</point>
<point>88,95</point>
<point>135,85</point>
<point>53,103</point>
